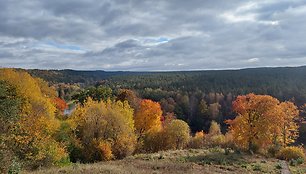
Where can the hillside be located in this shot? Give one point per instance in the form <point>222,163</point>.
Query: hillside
<point>283,82</point>
<point>214,161</point>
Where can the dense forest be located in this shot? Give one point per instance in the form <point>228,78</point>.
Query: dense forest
<point>284,82</point>
<point>197,97</point>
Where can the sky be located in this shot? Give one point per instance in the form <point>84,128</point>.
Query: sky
<point>152,35</point>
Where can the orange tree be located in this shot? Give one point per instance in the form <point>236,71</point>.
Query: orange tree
<point>148,117</point>
<point>262,121</point>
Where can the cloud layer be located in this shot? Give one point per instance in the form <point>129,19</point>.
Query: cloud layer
<point>152,35</point>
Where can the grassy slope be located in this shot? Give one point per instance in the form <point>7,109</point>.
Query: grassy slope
<point>181,161</point>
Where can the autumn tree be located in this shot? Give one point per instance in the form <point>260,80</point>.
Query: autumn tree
<point>99,93</point>
<point>60,105</point>
<point>130,96</point>
<point>104,129</point>
<point>37,123</point>
<point>176,134</point>
<point>214,136</point>
<point>148,117</point>
<point>262,121</point>
<point>288,127</point>
<point>253,127</point>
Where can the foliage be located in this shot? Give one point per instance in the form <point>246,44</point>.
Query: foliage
<point>214,136</point>
<point>174,135</point>
<point>214,129</point>
<point>262,121</point>
<point>99,93</point>
<point>99,125</point>
<point>10,105</point>
<point>32,139</point>
<point>177,134</point>
<point>291,153</point>
<point>289,127</point>
<point>197,141</point>
<point>148,117</point>
<point>60,104</point>
<point>105,150</point>
<point>130,96</point>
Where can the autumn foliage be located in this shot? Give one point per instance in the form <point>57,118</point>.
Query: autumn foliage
<point>263,121</point>
<point>105,127</point>
<point>148,117</point>
<point>60,104</point>
<point>32,139</point>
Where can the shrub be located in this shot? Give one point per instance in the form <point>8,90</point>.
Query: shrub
<point>291,153</point>
<point>177,134</point>
<point>198,140</point>
<point>154,141</point>
<point>274,150</point>
<point>217,140</point>
<point>214,129</point>
<point>229,140</point>
<point>124,145</point>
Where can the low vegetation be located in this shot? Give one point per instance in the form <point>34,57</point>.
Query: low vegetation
<point>210,160</point>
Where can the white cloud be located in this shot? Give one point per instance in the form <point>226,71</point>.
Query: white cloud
<point>152,35</point>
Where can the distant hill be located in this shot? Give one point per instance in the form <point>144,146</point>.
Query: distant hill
<point>282,82</point>
<point>72,76</point>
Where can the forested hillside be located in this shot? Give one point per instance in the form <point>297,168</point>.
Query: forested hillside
<point>197,97</point>
<point>284,82</point>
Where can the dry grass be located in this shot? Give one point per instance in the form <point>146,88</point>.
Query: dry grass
<point>212,160</point>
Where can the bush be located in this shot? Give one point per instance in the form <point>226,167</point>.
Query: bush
<point>291,153</point>
<point>217,140</point>
<point>154,141</point>
<point>197,141</point>
<point>274,150</point>
<point>214,128</point>
<point>229,140</point>
<point>177,134</point>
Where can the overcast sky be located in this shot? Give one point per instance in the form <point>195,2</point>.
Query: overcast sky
<point>141,35</point>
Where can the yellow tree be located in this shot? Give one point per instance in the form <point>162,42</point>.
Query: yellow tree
<point>37,122</point>
<point>104,129</point>
<point>148,117</point>
<point>257,122</point>
<point>176,134</point>
<point>289,128</point>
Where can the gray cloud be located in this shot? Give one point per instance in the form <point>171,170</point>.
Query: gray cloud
<point>152,35</point>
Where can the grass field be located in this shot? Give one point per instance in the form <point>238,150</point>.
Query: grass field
<point>214,160</point>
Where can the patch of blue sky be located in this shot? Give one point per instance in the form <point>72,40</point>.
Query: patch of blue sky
<point>156,41</point>
<point>63,46</point>
<point>162,39</point>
